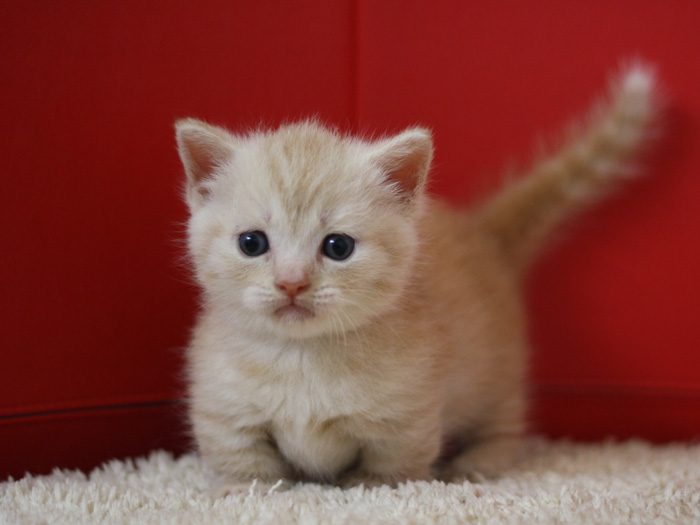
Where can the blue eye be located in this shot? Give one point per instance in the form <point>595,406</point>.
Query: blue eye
<point>253,243</point>
<point>338,246</point>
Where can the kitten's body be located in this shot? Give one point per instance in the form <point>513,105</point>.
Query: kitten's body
<point>400,378</point>
<point>414,340</point>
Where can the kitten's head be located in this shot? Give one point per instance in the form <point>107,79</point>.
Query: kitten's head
<point>300,231</point>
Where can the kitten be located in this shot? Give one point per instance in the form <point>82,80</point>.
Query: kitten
<point>352,326</point>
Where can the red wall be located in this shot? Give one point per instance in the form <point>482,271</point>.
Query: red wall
<point>95,303</point>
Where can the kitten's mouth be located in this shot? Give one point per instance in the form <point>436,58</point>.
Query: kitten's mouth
<point>293,312</point>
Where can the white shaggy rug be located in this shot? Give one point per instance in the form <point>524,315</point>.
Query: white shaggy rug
<point>559,482</point>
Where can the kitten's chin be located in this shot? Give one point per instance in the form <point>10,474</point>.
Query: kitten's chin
<point>295,321</point>
<point>293,313</point>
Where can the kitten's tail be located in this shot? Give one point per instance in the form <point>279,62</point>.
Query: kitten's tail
<point>524,214</point>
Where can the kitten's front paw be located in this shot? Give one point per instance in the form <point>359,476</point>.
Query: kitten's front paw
<point>461,475</point>
<point>474,470</point>
<point>482,463</point>
<point>366,480</point>
<point>250,488</point>
<point>484,460</point>
<point>370,480</point>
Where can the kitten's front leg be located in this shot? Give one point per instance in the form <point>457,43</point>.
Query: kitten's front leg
<point>239,455</point>
<point>397,457</point>
<point>485,460</point>
<point>497,443</point>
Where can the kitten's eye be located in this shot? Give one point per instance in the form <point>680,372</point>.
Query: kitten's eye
<point>338,246</point>
<point>253,243</point>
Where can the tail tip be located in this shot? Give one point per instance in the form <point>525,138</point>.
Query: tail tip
<point>638,77</point>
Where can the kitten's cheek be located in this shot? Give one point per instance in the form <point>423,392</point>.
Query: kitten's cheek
<point>251,301</point>
<point>327,301</point>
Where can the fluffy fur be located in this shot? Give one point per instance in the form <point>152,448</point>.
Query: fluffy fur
<point>413,345</point>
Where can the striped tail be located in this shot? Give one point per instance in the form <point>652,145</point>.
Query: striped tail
<point>524,214</point>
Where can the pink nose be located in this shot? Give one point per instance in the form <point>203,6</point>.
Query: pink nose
<point>292,289</point>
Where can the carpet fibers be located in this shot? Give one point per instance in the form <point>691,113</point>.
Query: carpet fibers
<point>558,482</point>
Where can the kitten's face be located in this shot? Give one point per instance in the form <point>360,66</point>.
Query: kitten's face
<point>300,232</point>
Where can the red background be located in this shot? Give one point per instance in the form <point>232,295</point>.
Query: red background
<point>95,305</point>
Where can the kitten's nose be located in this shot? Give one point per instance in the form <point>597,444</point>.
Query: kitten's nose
<point>292,289</point>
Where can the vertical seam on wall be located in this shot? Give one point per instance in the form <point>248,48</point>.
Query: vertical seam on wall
<point>356,65</point>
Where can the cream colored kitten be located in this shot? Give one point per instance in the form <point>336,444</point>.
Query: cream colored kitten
<point>351,325</point>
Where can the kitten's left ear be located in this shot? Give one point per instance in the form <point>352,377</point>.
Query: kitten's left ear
<point>405,161</point>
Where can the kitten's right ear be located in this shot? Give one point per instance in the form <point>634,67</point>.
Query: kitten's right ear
<point>202,149</point>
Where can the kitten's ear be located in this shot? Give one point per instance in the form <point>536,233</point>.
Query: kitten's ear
<point>202,149</point>
<point>405,161</point>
